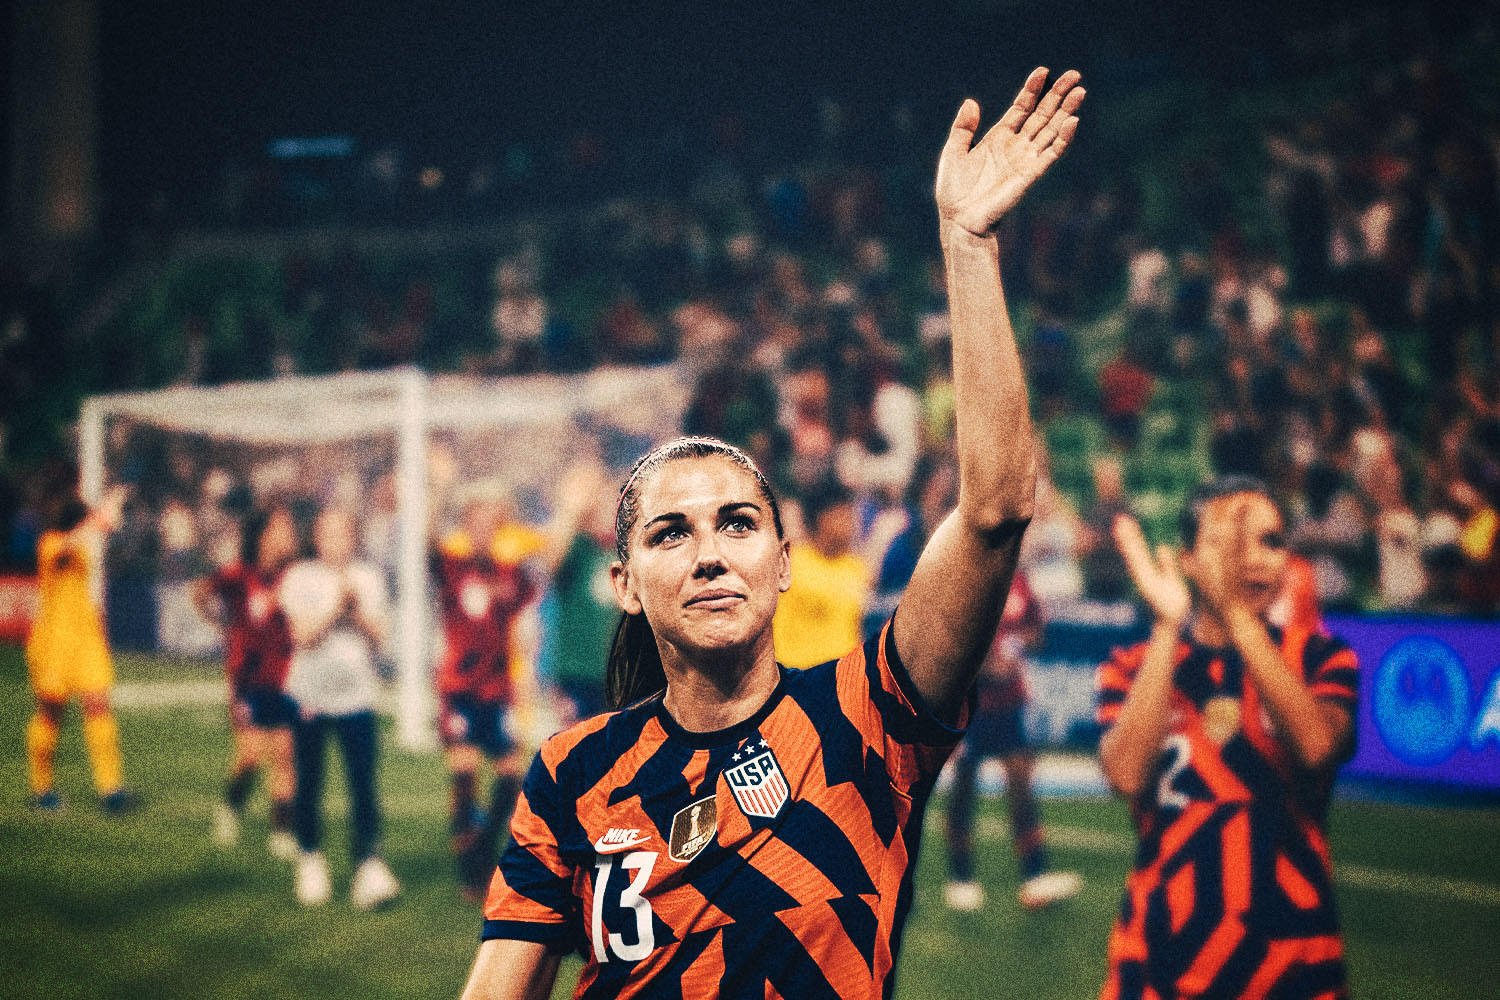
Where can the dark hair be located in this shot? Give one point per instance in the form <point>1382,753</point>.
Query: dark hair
<point>634,669</point>
<point>69,514</point>
<point>1207,493</point>
<point>251,529</point>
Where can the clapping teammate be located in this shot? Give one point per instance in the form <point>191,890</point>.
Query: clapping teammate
<point>336,608</point>
<point>743,830</point>
<point>1224,734</point>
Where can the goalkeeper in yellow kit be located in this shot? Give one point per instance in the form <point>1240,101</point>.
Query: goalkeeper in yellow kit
<point>67,657</point>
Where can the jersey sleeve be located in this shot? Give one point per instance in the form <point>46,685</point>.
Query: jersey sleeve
<point>1112,682</point>
<point>531,896</point>
<point>1332,671</point>
<point>877,694</point>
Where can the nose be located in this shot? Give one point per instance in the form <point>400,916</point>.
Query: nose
<point>709,562</point>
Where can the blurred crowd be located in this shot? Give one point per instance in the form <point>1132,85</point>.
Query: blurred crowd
<point>1333,331</point>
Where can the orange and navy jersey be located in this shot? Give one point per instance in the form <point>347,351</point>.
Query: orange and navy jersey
<point>1231,892</point>
<point>257,640</point>
<point>479,598</point>
<point>770,859</point>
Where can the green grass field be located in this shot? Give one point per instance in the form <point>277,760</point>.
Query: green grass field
<point>146,906</point>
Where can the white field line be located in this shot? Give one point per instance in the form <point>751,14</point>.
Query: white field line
<point>992,828</point>
<point>137,696</point>
<point>156,695</point>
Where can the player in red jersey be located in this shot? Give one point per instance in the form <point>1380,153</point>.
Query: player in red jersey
<point>739,829</point>
<point>480,595</point>
<point>257,653</point>
<point>998,730</point>
<point>1224,733</point>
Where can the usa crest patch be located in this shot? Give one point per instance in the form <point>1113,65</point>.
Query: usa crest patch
<point>758,784</point>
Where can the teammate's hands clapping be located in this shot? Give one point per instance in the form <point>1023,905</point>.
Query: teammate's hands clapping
<point>978,182</point>
<point>1158,577</point>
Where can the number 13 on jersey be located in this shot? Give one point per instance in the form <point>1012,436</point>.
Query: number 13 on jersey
<point>631,898</point>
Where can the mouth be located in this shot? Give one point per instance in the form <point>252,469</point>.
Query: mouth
<point>716,599</point>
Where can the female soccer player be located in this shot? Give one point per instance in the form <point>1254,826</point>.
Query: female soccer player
<point>480,598</point>
<point>1224,734</point>
<point>336,609</point>
<point>258,653</point>
<point>742,830</point>
<point>67,655</point>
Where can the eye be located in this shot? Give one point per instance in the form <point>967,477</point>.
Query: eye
<point>668,533</point>
<point>1274,540</point>
<point>739,524</point>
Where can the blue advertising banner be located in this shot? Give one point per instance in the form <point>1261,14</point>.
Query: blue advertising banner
<point>1060,681</point>
<point>1429,699</point>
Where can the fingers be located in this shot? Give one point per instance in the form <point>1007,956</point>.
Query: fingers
<point>1026,100</point>
<point>1052,104</point>
<point>1166,559</point>
<point>1054,140</point>
<point>1131,541</point>
<point>961,135</point>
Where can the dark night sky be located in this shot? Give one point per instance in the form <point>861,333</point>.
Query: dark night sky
<point>188,85</point>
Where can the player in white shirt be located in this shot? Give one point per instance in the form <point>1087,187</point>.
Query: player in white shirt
<point>338,613</point>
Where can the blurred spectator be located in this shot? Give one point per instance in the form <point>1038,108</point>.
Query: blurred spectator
<point>819,618</point>
<point>1328,527</point>
<point>1104,573</point>
<point>1125,387</point>
<point>1049,548</point>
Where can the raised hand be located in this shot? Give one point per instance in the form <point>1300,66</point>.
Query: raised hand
<point>1157,576</point>
<point>978,182</point>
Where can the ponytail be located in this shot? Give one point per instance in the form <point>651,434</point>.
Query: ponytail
<point>634,669</point>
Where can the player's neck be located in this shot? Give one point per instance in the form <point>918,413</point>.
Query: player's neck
<point>706,696</point>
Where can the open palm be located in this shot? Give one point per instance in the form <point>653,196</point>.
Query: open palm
<point>978,182</point>
<point>1156,575</point>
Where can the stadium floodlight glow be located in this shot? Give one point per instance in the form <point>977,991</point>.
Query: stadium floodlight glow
<point>523,428</point>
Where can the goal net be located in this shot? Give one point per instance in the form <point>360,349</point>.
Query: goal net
<point>192,455</point>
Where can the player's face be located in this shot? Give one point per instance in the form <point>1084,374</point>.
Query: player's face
<point>1252,522</point>
<point>482,518</point>
<point>334,537</point>
<point>706,566</point>
<point>278,541</point>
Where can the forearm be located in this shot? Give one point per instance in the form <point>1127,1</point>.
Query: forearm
<point>958,589</point>
<point>997,466</point>
<point>512,970</point>
<point>1127,750</point>
<point>1309,729</point>
<point>374,626</point>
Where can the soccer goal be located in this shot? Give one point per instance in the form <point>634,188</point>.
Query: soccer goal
<point>359,439</point>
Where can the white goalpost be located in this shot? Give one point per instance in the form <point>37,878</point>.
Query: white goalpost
<point>524,429</point>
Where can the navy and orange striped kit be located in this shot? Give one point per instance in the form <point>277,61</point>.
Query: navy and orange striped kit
<point>1231,891</point>
<point>770,859</point>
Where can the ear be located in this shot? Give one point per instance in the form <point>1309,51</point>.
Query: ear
<point>624,584</point>
<point>784,572</point>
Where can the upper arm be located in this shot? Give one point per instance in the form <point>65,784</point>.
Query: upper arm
<point>507,969</point>
<point>952,606</point>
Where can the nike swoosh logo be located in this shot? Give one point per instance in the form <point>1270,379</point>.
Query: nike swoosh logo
<point>604,847</point>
